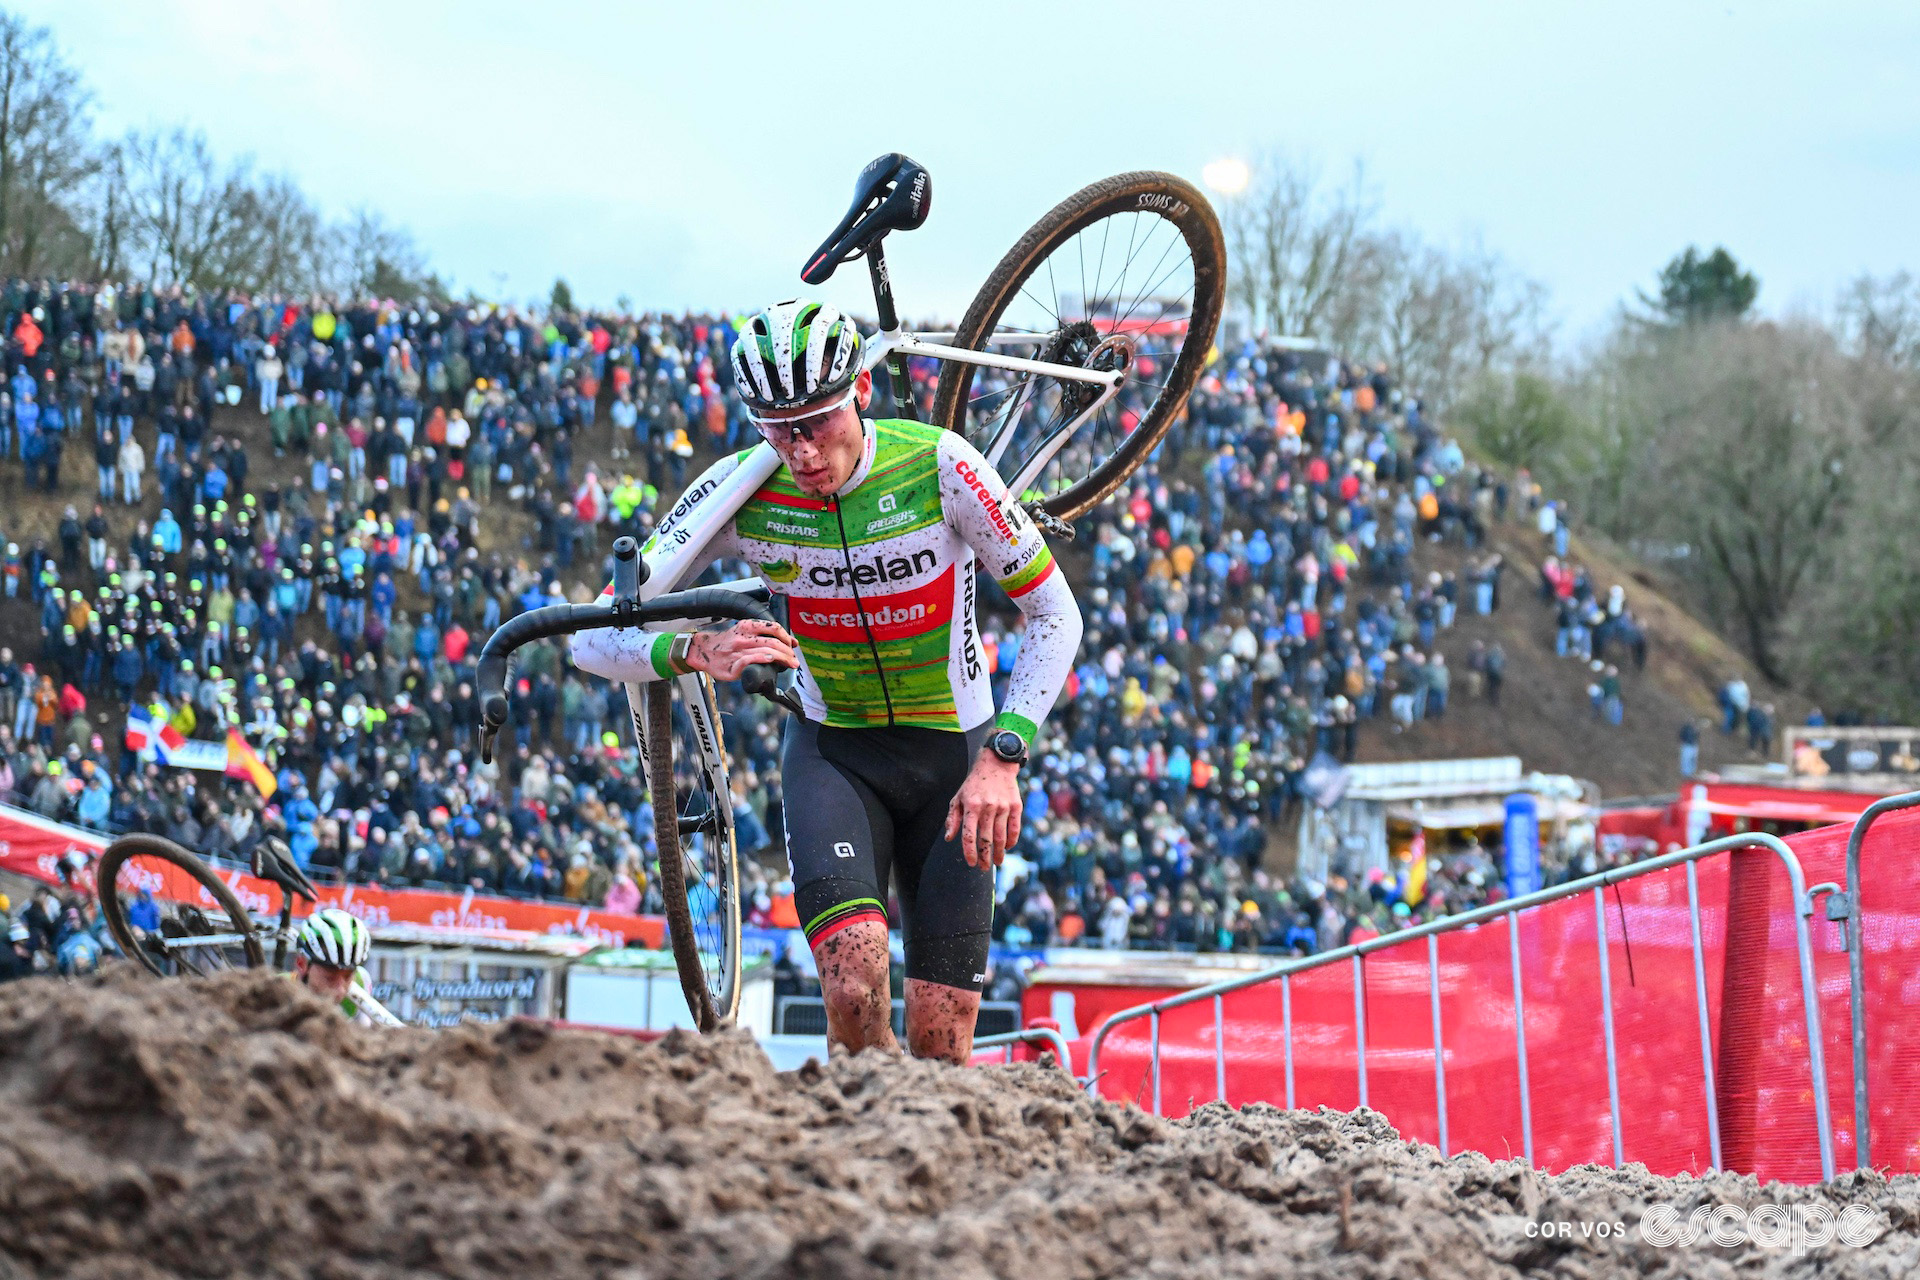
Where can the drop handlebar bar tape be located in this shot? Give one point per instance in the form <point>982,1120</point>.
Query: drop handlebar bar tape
<point>495,667</point>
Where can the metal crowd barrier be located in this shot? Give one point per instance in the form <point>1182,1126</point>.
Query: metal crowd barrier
<point>1849,908</point>
<point>1594,884</point>
<point>1032,1035</point>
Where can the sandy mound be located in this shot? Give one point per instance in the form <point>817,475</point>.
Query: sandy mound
<point>237,1127</point>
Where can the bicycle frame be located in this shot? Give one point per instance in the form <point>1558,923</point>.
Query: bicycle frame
<point>904,343</point>
<point>894,345</point>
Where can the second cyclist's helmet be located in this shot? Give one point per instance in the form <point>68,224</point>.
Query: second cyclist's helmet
<point>335,938</point>
<point>794,354</point>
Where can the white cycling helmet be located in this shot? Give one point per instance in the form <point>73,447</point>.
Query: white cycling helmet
<point>795,353</point>
<point>335,938</point>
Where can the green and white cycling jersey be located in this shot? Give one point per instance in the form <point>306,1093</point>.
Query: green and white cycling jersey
<point>879,579</point>
<point>362,1009</point>
<point>358,1005</point>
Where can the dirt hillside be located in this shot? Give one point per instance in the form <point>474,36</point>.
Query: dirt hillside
<point>1544,716</point>
<point>238,1128</point>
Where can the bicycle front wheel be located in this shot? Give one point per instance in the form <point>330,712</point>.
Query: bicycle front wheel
<point>1129,273</point>
<point>168,910</point>
<point>693,831</point>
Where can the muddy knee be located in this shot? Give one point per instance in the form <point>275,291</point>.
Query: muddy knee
<point>854,1004</point>
<point>853,981</point>
<point>940,1020</point>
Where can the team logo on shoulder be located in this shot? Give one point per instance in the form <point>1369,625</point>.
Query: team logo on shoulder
<point>996,514</point>
<point>780,570</point>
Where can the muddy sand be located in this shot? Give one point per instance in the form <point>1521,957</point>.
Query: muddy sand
<point>239,1128</point>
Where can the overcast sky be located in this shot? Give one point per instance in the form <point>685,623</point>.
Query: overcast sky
<point>692,154</point>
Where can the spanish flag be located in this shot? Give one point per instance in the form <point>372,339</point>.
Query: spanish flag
<point>244,762</point>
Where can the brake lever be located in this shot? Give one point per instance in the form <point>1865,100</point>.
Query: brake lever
<point>763,678</point>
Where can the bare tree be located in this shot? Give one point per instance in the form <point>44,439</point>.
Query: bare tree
<point>274,241</point>
<point>1752,438</point>
<point>1426,317</point>
<point>1880,318</point>
<point>1293,246</point>
<point>45,149</point>
<point>1508,312</point>
<point>183,203</point>
<point>1851,642</point>
<point>104,213</point>
<point>373,256</point>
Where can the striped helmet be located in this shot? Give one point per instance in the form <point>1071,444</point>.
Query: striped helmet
<point>795,353</point>
<point>335,938</point>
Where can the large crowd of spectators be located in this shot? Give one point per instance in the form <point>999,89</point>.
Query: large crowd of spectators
<point>1254,603</point>
<point>293,525</point>
<point>331,603</point>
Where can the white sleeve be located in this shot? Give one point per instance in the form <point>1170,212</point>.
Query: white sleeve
<point>369,1012</point>
<point>633,655</point>
<point>1010,545</point>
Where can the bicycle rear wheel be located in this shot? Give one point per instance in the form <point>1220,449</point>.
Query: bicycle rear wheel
<point>168,910</point>
<point>693,832</point>
<point>1145,254</point>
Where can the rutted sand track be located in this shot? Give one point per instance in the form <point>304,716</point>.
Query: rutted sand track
<point>238,1128</point>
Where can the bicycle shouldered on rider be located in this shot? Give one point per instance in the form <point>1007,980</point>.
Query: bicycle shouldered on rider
<point>900,772</point>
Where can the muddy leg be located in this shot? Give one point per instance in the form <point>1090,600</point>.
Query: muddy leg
<point>853,980</point>
<point>940,1021</point>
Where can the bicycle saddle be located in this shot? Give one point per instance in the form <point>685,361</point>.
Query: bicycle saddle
<point>273,860</point>
<point>892,193</point>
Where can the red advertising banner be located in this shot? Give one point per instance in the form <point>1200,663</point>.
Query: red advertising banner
<point>32,846</point>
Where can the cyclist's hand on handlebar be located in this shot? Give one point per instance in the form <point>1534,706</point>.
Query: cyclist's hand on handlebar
<point>725,654</point>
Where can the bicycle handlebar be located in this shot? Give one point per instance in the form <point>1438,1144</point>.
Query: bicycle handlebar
<point>496,658</point>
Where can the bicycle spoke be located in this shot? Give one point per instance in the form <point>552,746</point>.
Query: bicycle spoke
<point>1055,287</point>
<point>1133,250</point>
<point>1052,434</point>
<point>1106,229</point>
<point>1148,293</point>
<point>1043,306</point>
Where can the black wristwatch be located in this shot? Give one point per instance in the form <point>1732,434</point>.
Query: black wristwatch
<point>1008,745</point>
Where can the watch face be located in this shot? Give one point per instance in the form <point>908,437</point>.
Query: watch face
<point>1007,745</point>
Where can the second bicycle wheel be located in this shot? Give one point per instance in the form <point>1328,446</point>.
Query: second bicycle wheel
<point>693,830</point>
<point>1127,273</point>
<point>167,909</point>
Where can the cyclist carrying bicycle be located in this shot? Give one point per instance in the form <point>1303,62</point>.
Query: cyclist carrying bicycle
<point>330,951</point>
<point>899,770</point>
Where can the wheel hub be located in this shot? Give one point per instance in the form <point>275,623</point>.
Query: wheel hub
<point>1082,346</point>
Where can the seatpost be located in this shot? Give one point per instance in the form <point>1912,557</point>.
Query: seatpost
<point>890,323</point>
